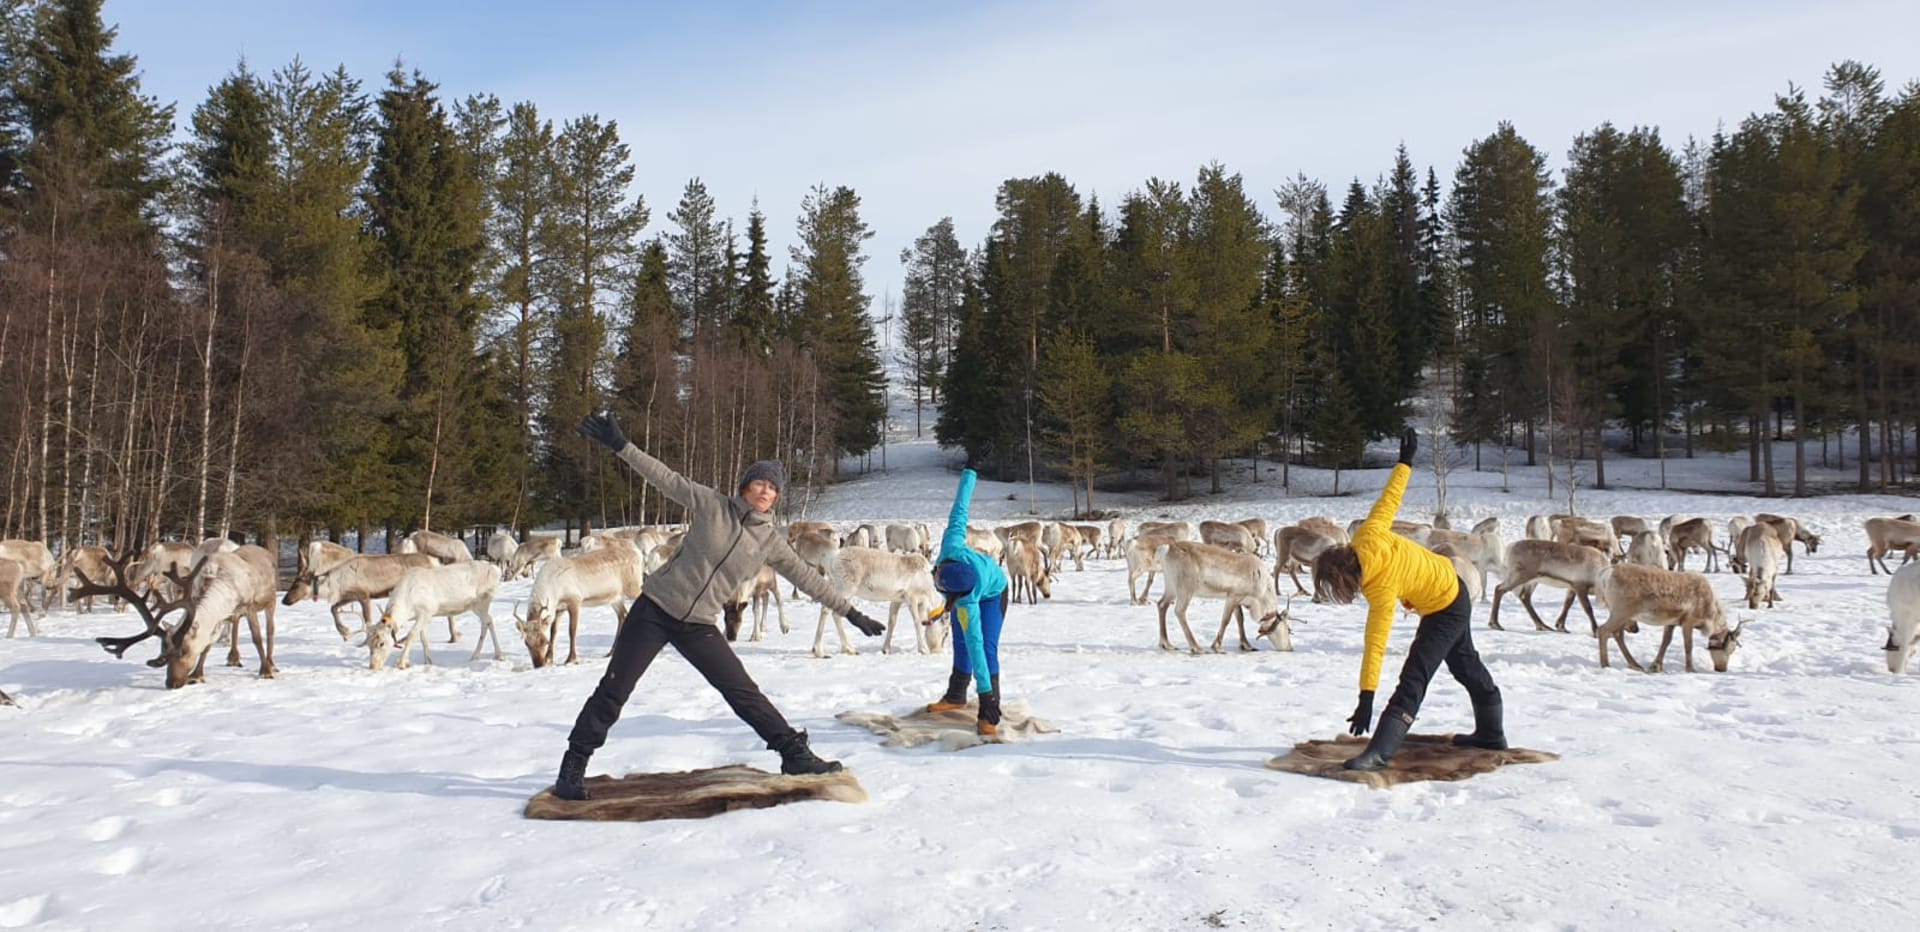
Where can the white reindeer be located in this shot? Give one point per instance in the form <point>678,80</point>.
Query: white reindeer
<point>1143,558</point>
<point>426,593</point>
<point>1027,572</point>
<point>1903,603</point>
<point>611,575</point>
<point>1294,549</point>
<point>501,547</point>
<point>13,576</point>
<point>227,587</point>
<point>1760,556</point>
<point>437,545</point>
<point>898,579</point>
<point>1885,535</point>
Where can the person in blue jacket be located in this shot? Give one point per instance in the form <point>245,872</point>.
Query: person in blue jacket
<point>976,606</point>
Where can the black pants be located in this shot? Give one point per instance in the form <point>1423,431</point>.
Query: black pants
<point>647,629</point>
<point>1445,635</point>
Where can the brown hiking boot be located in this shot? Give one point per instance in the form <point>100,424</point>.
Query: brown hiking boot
<point>956,696</point>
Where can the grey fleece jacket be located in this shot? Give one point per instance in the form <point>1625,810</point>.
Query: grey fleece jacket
<point>726,543</point>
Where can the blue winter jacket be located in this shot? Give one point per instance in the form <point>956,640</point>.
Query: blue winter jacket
<point>992,579</point>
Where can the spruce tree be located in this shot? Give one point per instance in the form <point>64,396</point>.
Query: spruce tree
<point>756,325</point>
<point>696,260</point>
<point>832,314</point>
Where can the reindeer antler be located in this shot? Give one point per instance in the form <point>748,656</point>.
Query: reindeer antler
<point>121,588</point>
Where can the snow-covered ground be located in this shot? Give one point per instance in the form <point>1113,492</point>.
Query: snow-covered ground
<point>1782,794</point>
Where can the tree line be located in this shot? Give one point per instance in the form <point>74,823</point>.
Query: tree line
<point>1764,283</point>
<point>334,307</point>
<point>337,308</point>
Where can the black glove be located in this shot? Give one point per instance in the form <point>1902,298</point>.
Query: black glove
<point>867,626</point>
<point>990,707</point>
<point>1409,442</point>
<point>603,429</point>
<point>1363,713</point>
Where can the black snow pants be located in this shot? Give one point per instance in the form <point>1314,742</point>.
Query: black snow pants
<point>1445,635</point>
<point>649,628</point>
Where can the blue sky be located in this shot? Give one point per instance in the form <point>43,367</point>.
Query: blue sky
<point>925,108</point>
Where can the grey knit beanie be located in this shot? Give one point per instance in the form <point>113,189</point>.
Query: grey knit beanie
<point>770,470</point>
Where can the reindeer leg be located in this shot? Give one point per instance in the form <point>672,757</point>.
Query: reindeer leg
<point>1240,616</point>
<point>339,625</point>
<point>453,633</point>
<point>1180,612</point>
<point>1686,642</point>
<point>259,645</point>
<point>820,634</point>
<point>1293,574</point>
<point>1660,659</point>
<point>1526,600</point>
<point>267,666</point>
<point>1593,624</point>
<point>233,642</point>
<point>1162,605</point>
<point>846,646</point>
<point>781,607</point>
<point>1226,618</point>
<point>1493,622</point>
<point>573,632</point>
<point>893,612</point>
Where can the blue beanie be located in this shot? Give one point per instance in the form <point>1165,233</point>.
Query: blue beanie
<point>956,577</point>
<point>770,470</point>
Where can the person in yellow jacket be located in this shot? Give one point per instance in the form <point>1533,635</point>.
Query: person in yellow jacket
<point>1391,570</point>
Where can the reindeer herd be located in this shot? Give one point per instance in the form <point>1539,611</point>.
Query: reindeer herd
<point>1635,570</point>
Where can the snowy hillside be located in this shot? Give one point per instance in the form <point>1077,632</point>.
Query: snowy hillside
<point>1778,795</point>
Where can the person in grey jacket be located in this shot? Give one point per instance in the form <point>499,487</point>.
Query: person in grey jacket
<point>728,539</point>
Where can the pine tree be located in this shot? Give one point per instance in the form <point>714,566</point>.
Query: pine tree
<point>756,325</point>
<point>1890,271</point>
<point>426,216</point>
<point>522,196</point>
<point>646,374</point>
<point>1076,396</point>
<point>588,239</point>
<point>1226,250</point>
<point>832,315</point>
<point>936,272</point>
<point>1501,216</point>
<point>696,258</point>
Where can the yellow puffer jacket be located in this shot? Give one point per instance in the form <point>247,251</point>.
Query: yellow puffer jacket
<point>1395,569</point>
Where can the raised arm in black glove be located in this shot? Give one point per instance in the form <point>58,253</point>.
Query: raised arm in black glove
<point>867,626</point>
<point>1363,713</point>
<point>1409,442</point>
<point>603,429</point>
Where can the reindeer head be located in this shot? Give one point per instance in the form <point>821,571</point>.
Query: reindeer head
<point>1277,628</point>
<point>1722,644</point>
<point>534,633</point>
<point>731,615</point>
<point>380,643</point>
<point>217,603</point>
<point>1811,539</point>
<point>1898,653</point>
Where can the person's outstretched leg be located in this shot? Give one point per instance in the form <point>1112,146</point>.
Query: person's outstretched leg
<point>1464,663</point>
<point>634,647</point>
<point>707,650</point>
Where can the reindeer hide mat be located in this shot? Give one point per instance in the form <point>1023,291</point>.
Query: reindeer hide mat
<point>692,794</point>
<point>1422,757</point>
<point>953,730</point>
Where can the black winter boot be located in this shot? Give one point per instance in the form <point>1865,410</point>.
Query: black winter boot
<point>1487,730</point>
<point>796,758</point>
<point>1386,739</point>
<point>572,781</point>
<point>956,697</point>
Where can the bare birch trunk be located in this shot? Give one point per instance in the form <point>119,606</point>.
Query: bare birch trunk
<point>239,415</point>
<point>206,397</point>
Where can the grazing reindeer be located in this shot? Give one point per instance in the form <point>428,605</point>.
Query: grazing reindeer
<point>437,545</point>
<point>758,590</point>
<point>535,551</point>
<point>228,586</point>
<point>1209,572</point>
<point>898,579</point>
<point>1903,603</point>
<point>427,592</point>
<point>1789,530</point>
<point>1668,598</point>
<point>608,576</point>
<point>356,581</point>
